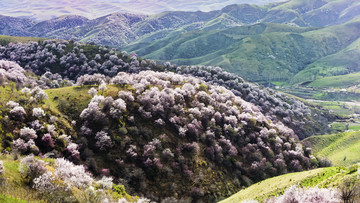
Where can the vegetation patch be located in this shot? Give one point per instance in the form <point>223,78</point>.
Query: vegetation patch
<point>332,177</point>
<point>341,149</point>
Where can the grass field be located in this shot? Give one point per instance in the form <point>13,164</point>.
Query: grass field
<point>337,81</point>
<point>4,40</point>
<point>13,189</point>
<point>344,126</point>
<point>261,52</point>
<point>341,149</point>
<point>342,63</point>
<point>339,107</point>
<point>5,198</point>
<point>354,126</point>
<point>322,177</point>
<point>71,101</point>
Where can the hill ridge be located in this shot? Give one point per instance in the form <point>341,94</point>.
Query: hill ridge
<point>246,14</point>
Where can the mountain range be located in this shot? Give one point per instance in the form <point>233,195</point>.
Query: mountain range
<point>45,10</point>
<point>95,121</point>
<point>263,52</point>
<point>125,28</point>
<point>291,42</point>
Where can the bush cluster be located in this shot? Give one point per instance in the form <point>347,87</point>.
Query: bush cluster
<point>91,64</point>
<point>165,131</point>
<point>208,122</point>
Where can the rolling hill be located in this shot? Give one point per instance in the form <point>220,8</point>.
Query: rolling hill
<point>188,133</point>
<point>261,52</point>
<point>341,63</point>
<point>323,177</point>
<point>289,42</point>
<point>120,29</point>
<point>39,10</point>
<point>163,131</point>
<point>71,60</point>
<point>341,149</point>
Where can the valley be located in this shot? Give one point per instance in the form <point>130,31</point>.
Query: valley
<point>298,47</point>
<point>234,103</point>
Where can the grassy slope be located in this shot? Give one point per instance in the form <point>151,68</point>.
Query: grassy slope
<point>235,49</point>
<point>341,63</point>
<point>342,149</point>
<point>341,81</point>
<point>73,100</point>
<point>260,52</point>
<point>7,39</point>
<point>14,190</point>
<point>6,198</point>
<point>9,93</point>
<point>322,177</point>
<point>338,108</point>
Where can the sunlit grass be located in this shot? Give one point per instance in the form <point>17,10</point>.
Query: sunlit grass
<point>342,149</point>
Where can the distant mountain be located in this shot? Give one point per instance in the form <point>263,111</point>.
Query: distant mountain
<point>110,30</point>
<point>58,24</point>
<point>261,52</point>
<point>345,62</point>
<point>120,29</point>
<point>275,42</point>
<point>15,26</point>
<point>45,10</point>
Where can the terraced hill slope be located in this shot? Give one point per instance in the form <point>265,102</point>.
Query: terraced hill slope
<point>341,149</point>
<point>323,177</point>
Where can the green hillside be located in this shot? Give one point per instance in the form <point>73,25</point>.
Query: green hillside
<point>341,81</point>
<point>297,12</point>
<point>342,63</point>
<point>76,98</point>
<point>15,190</point>
<point>341,149</point>
<point>322,177</point>
<point>261,52</point>
<point>296,42</point>
<point>65,105</point>
<point>313,12</point>
<point>4,39</point>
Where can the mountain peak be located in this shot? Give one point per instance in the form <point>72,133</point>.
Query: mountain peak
<point>45,10</point>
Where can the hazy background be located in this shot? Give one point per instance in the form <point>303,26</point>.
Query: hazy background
<point>47,9</point>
